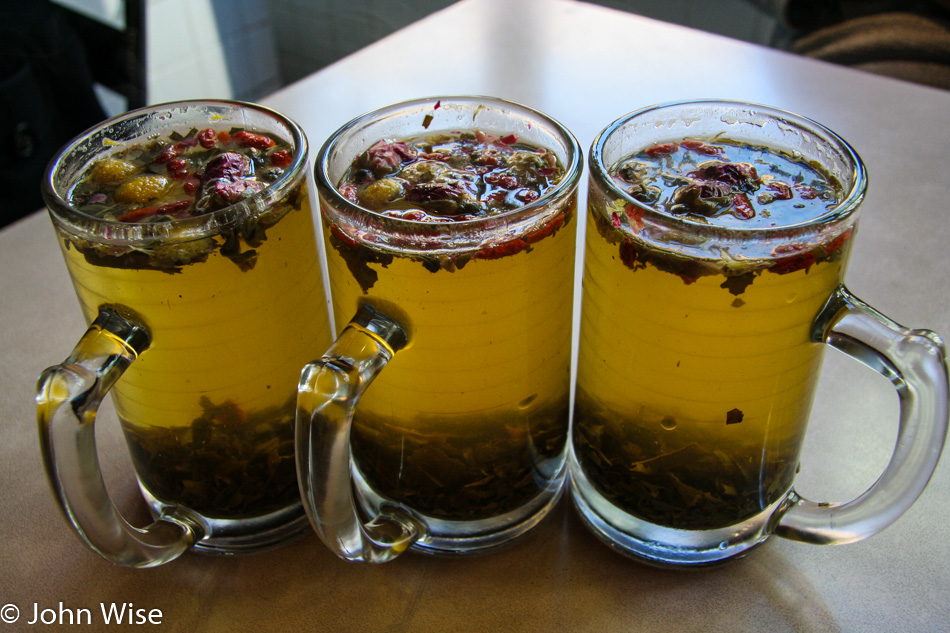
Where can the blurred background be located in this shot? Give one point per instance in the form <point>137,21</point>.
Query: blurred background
<point>67,64</point>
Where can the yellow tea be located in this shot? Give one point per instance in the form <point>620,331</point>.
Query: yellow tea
<point>234,313</point>
<point>696,373</point>
<point>470,420</point>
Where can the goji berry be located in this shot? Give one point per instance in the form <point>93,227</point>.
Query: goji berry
<point>224,137</point>
<point>511,247</point>
<point>742,206</point>
<point>702,148</point>
<point>207,138</point>
<point>137,214</point>
<point>508,139</point>
<point>338,233</point>
<point>782,191</point>
<point>249,139</point>
<point>546,230</point>
<point>178,169</point>
<point>527,195</point>
<point>281,158</point>
<point>838,242</point>
<point>505,181</point>
<point>166,209</point>
<point>661,149</point>
<point>792,263</point>
<point>172,151</point>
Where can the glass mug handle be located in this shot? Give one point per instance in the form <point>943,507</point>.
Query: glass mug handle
<point>327,395</point>
<point>68,397</point>
<point>915,362</point>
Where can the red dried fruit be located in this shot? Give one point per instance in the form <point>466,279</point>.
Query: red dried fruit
<point>175,150</point>
<point>228,166</point>
<point>662,149</point>
<point>338,233</point>
<point>511,247</point>
<point>172,208</point>
<point>385,158</point>
<point>178,169</point>
<point>505,181</point>
<point>207,138</point>
<point>281,158</point>
<point>527,195</point>
<point>546,230</point>
<point>702,148</point>
<point>740,175</point>
<point>250,139</point>
<point>743,207</point>
<point>780,190</point>
<point>792,263</point>
<point>429,191</point>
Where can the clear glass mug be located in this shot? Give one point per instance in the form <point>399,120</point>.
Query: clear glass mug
<point>700,350</point>
<point>464,329</point>
<point>199,328</point>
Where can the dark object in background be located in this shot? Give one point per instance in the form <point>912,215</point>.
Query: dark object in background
<point>49,59</point>
<point>904,39</point>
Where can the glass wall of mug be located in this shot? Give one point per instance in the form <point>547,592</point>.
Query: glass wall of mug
<point>188,234</point>
<point>717,241</point>
<point>450,229</point>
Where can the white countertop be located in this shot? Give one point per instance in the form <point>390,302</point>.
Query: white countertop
<point>585,66</point>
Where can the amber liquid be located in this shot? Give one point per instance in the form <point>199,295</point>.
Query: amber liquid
<point>470,420</point>
<point>208,409</point>
<point>692,401</point>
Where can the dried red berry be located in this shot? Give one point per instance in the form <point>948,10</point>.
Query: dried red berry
<point>178,169</point>
<point>249,139</point>
<point>281,158</point>
<point>743,207</point>
<point>511,247</point>
<point>702,148</point>
<point>527,195</point>
<point>780,189</point>
<point>207,138</point>
<point>662,149</point>
<point>175,150</point>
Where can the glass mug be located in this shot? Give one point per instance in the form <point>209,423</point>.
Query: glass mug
<point>700,350</point>
<point>464,328</point>
<point>199,328</point>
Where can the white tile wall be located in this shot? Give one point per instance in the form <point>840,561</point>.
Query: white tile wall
<point>209,49</point>
<point>245,49</point>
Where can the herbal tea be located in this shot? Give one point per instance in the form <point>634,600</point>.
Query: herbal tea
<point>470,420</point>
<point>696,374</point>
<point>208,409</point>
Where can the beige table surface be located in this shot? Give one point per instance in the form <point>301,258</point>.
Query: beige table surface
<point>585,66</point>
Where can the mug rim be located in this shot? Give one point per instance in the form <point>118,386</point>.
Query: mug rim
<point>548,199</point>
<point>111,231</point>
<point>847,207</point>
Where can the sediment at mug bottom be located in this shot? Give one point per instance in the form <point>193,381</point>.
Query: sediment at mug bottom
<point>472,538</point>
<point>661,546</point>
<point>228,537</point>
